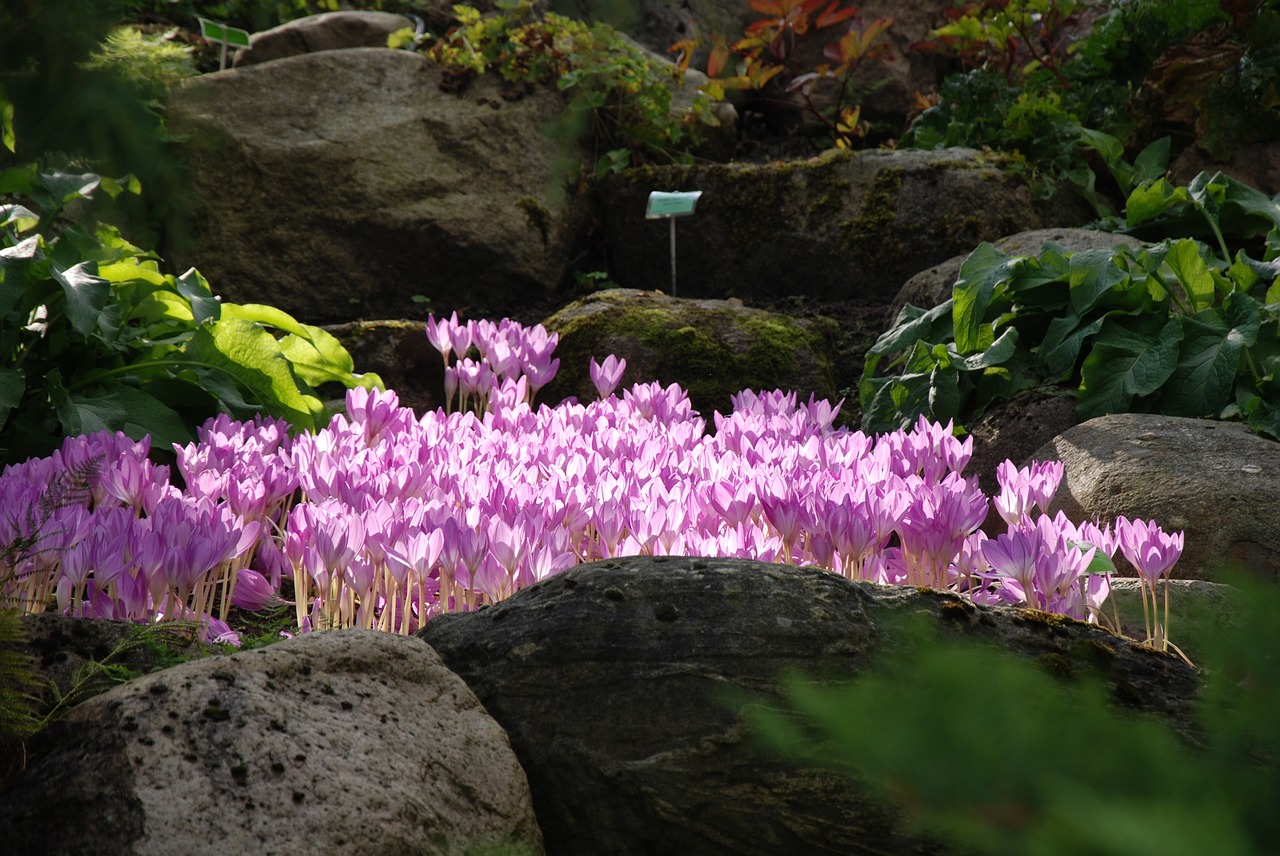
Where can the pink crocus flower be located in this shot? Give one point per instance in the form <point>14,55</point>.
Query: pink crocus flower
<point>605,376</point>
<point>1148,548</point>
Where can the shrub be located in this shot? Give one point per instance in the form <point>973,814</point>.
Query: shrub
<point>94,336</point>
<point>1180,327</point>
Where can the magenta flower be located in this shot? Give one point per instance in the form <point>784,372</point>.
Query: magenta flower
<point>605,377</point>
<point>1148,548</point>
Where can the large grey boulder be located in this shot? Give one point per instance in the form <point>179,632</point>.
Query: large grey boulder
<point>712,348</point>
<point>622,686</point>
<point>341,184</point>
<point>337,742</point>
<point>845,226</point>
<point>1217,481</point>
<point>327,31</point>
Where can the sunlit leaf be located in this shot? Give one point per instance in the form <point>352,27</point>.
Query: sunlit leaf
<point>86,293</point>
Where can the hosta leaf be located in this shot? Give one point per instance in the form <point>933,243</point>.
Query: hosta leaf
<point>984,269</point>
<point>1189,266</point>
<point>64,186</point>
<point>1148,201</point>
<point>1204,381</point>
<point>247,352</point>
<point>1001,350</point>
<point>86,292</point>
<point>1093,274</point>
<point>1060,348</point>
<point>914,324</point>
<point>204,306</point>
<point>1130,358</point>
<point>118,407</point>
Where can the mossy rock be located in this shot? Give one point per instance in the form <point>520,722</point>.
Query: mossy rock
<point>847,226</point>
<point>712,348</point>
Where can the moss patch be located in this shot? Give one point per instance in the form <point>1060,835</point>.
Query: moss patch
<point>711,349</point>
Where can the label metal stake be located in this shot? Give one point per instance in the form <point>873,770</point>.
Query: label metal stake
<point>226,36</point>
<point>668,206</point>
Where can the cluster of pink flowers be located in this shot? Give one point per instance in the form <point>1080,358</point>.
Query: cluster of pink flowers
<point>384,519</point>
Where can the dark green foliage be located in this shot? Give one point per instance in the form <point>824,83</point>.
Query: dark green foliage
<point>616,95</point>
<point>989,752</point>
<point>1183,327</point>
<point>1040,77</point>
<point>93,336</point>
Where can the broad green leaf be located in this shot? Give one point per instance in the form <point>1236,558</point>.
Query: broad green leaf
<point>12,386</point>
<point>1001,350</point>
<point>1130,358</point>
<point>1151,162</point>
<point>1233,206</point>
<point>86,292</point>
<point>914,324</point>
<point>1061,346</point>
<point>194,287</point>
<point>118,407</point>
<point>20,217</point>
<point>1148,201</point>
<point>1092,276</point>
<point>1204,381</point>
<point>65,186</point>
<point>130,270</point>
<point>944,393</point>
<point>1189,266</point>
<point>251,355</point>
<point>18,179</point>
<point>984,269</point>
<point>1111,149</point>
<point>267,316</point>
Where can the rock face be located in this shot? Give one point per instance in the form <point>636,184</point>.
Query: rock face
<point>620,684</point>
<point>340,185</point>
<point>844,226</point>
<point>400,354</point>
<point>1218,481</point>
<point>327,31</point>
<point>934,285</point>
<point>712,348</point>
<point>341,742</point>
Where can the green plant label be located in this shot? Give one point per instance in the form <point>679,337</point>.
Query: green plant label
<point>663,205</point>
<point>222,33</point>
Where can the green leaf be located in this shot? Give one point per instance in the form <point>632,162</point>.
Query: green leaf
<point>1236,207</point>
<point>1093,274</point>
<point>1148,201</point>
<point>251,355</point>
<point>1190,268</point>
<point>1151,162</point>
<point>194,287</point>
<point>1130,358</point>
<point>12,386</point>
<point>64,186</point>
<point>1001,350</point>
<point>1204,381</point>
<point>984,269</point>
<point>118,407</point>
<point>267,316</point>
<point>6,123</point>
<point>86,292</point>
<point>1060,348</point>
<point>914,324</point>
